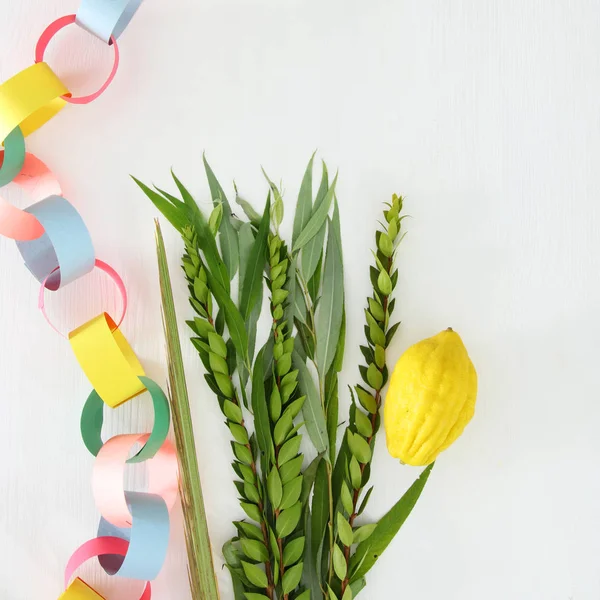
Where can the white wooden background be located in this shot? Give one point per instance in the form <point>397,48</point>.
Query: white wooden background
<point>485,115</point>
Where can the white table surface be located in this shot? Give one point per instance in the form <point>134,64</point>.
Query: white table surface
<point>485,115</point>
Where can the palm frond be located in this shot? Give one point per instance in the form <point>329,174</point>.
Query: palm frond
<point>203,582</point>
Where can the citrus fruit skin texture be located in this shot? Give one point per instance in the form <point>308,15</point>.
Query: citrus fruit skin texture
<point>430,400</point>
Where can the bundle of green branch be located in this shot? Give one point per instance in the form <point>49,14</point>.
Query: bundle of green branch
<point>297,537</point>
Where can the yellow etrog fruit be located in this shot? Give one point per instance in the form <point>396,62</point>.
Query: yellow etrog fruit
<point>430,400</point>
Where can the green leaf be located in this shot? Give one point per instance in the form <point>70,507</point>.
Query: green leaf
<point>304,204</point>
<point>232,411</point>
<point>331,593</point>
<point>251,510</point>
<point>217,344</point>
<point>229,237</point>
<point>357,586</point>
<point>363,424</point>
<point>289,450</point>
<point>316,220</point>
<point>238,432</point>
<point>251,596</point>
<point>344,529</point>
<point>312,409</point>
<point>359,447</point>
<point>332,402</point>
<point>328,320</point>
<point>374,377</point>
<point>364,502</point>
<point>233,318</point>
<point>339,563</point>
<point>249,530</point>
<point>282,428</point>
<point>291,492</point>
<point>311,253</point>
<point>291,469</point>
<point>255,575</point>
<point>363,533</point>
<point>274,487</point>
<point>355,474</point>
<point>255,550</point>
<point>288,520</point>
<point>390,334</point>
<point>347,594</point>
<point>215,218</point>
<point>291,578</point>
<point>305,595</point>
<point>248,209</point>
<point>319,512</point>
<point>293,550</point>
<point>259,407</point>
<point>366,400</point>
<point>309,475</point>
<point>252,289</point>
<point>346,498</point>
<point>370,550</point>
<point>175,216</point>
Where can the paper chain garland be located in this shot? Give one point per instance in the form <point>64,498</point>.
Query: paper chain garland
<point>56,246</point>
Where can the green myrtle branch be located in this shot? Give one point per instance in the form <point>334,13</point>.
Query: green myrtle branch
<point>364,419</point>
<point>284,479</point>
<point>219,359</point>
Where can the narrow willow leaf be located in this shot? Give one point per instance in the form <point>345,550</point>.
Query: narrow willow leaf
<point>252,289</point>
<point>312,409</point>
<point>246,242</point>
<point>339,471</point>
<point>364,502</point>
<point>328,320</point>
<point>311,253</point>
<point>316,220</point>
<point>291,578</point>
<point>304,204</point>
<point>174,215</point>
<point>332,402</point>
<point>175,201</point>
<point>255,575</point>
<point>338,359</point>
<point>370,550</point>
<point>203,582</point>
<point>314,283</point>
<point>339,563</point>
<point>248,209</point>
<point>319,512</point>
<point>207,244</point>
<point>310,474</point>
<point>229,237</point>
<point>288,520</point>
<point>233,318</point>
<point>259,407</point>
